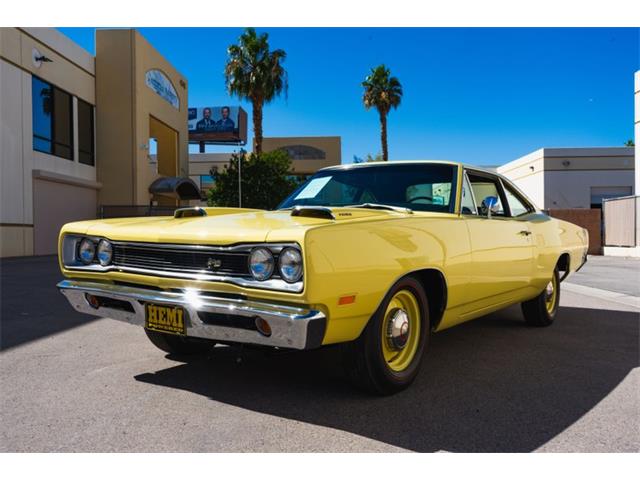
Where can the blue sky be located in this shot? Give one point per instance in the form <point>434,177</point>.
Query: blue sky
<point>478,95</point>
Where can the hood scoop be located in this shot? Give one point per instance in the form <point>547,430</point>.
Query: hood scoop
<point>313,212</point>
<point>190,212</point>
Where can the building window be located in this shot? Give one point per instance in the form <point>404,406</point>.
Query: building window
<point>86,142</point>
<point>52,119</point>
<point>304,152</point>
<point>598,194</point>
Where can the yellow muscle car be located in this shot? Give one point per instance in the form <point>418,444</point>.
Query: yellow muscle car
<point>376,256</point>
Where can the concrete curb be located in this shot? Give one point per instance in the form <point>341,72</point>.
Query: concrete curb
<point>602,294</point>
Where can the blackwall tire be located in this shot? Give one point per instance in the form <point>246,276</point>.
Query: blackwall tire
<point>375,367</point>
<point>541,311</point>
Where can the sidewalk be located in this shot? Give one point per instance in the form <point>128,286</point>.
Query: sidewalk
<point>614,274</point>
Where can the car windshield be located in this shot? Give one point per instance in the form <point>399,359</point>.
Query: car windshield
<point>425,187</point>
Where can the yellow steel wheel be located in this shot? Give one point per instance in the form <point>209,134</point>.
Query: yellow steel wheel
<point>551,293</point>
<point>401,330</point>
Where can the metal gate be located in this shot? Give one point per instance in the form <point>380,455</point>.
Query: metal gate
<point>621,221</point>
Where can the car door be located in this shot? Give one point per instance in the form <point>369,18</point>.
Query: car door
<point>501,244</point>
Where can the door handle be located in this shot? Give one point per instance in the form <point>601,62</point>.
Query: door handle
<point>524,232</point>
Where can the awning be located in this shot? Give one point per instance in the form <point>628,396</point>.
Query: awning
<point>175,187</point>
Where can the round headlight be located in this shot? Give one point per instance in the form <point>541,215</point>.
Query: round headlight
<point>87,251</point>
<point>261,263</point>
<point>290,264</point>
<point>105,252</point>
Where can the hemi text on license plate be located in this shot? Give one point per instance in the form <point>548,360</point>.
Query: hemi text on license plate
<point>165,318</point>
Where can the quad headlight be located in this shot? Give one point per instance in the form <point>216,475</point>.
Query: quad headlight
<point>105,252</point>
<point>261,263</point>
<point>290,265</point>
<point>86,251</point>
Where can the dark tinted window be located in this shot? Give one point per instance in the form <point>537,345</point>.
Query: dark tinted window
<point>428,187</point>
<point>85,133</point>
<point>42,106</point>
<point>52,111</point>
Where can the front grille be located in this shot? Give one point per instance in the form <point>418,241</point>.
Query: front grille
<point>179,259</point>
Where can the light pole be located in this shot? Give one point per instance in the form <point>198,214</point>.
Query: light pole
<point>240,157</point>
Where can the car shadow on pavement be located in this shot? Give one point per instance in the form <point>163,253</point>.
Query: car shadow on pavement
<point>492,385</point>
<point>31,307</point>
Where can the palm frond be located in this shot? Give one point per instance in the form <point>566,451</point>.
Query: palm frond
<point>381,90</point>
<point>254,72</point>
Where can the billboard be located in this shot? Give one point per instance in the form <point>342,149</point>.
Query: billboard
<point>218,125</point>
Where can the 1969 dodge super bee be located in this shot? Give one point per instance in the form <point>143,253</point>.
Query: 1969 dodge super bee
<point>376,256</point>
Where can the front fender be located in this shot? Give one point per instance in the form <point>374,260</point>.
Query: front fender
<point>364,260</point>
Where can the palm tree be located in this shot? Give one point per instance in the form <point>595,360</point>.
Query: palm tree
<point>383,92</point>
<point>255,73</point>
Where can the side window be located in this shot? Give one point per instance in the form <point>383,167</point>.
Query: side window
<point>468,206</point>
<point>86,141</point>
<point>52,119</point>
<point>484,187</point>
<point>516,205</point>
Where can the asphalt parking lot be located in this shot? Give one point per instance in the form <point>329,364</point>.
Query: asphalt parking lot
<point>69,382</point>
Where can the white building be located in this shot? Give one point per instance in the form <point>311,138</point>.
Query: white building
<point>637,135</point>
<point>564,178</point>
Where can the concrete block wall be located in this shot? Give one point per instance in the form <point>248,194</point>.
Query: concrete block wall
<point>589,218</point>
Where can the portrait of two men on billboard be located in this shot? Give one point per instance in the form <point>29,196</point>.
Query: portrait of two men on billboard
<point>213,120</point>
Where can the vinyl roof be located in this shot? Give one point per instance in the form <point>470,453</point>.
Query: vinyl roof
<point>349,166</point>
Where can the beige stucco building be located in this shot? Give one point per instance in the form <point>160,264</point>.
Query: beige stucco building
<point>308,155</point>
<point>130,112</point>
<point>75,130</point>
<point>41,167</point>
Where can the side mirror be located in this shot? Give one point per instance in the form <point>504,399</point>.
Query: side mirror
<point>490,205</point>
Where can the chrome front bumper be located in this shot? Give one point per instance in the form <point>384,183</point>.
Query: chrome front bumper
<point>291,327</point>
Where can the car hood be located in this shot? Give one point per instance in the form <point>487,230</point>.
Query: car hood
<point>221,226</point>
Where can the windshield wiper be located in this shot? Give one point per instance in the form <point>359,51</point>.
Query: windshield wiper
<point>379,206</point>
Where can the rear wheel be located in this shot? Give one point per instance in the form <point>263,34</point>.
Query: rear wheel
<point>179,345</point>
<point>386,357</point>
<point>541,310</point>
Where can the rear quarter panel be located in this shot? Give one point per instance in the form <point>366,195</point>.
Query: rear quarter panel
<point>552,238</point>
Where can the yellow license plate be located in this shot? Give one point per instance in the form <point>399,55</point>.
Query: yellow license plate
<point>164,318</point>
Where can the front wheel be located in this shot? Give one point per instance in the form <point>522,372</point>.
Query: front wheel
<point>386,357</point>
<point>179,345</point>
<point>541,310</point>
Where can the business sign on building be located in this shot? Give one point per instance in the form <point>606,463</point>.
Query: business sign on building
<point>159,83</point>
<point>218,125</point>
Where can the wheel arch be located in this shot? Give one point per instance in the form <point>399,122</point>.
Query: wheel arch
<point>434,284</point>
<point>564,265</point>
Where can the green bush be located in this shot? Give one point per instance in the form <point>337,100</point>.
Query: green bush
<point>266,181</point>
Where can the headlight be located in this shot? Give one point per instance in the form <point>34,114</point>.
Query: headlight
<point>105,252</point>
<point>290,265</point>
<point>261,263</point>
<point>86,251</point>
